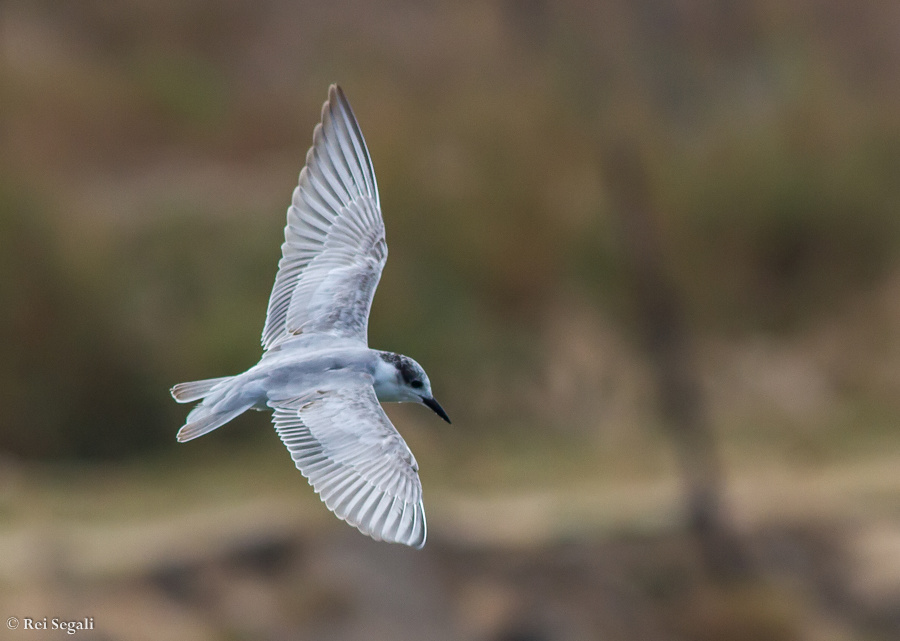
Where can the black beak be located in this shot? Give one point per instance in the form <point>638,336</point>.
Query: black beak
<point>434,405</point>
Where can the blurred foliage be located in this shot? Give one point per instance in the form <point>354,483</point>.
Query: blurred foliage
<point>74,381</point>
<point>771,235</point>
<point>150,149</point>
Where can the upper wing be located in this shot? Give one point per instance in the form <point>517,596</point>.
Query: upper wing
<point>345,445</point>
<point>334,247</point>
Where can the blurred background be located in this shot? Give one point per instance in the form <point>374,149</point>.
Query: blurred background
<point>647,252</point>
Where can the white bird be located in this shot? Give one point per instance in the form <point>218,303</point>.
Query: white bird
<point>317,372</point>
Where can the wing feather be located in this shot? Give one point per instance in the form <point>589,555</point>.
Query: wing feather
<point>345,445</point>
<point>334,248</point>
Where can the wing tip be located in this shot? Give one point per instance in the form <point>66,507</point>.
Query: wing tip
<point>336,98</point>
<point>336,93</point>
<point>411,533</point>
<point>414,536</point>
<point>419,541</point>
<point>349,503</point>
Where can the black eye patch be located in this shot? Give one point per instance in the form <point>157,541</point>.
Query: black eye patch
<point>416,384</point>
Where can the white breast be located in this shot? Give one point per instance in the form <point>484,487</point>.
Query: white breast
<point>387,382</point>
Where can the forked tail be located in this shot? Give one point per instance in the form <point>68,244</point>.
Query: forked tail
<point>219,405</point>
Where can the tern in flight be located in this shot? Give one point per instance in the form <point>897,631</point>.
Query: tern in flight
<point>317,373</point>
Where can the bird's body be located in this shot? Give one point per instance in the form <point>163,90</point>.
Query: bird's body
<point>317,372</point>
<point>303,366</point>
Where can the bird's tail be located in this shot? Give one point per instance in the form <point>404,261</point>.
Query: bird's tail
<point>195,390</point>
<point>218,405</point>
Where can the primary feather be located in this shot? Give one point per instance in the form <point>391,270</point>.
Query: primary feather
<point>334,248</point>
<point>345,445</point>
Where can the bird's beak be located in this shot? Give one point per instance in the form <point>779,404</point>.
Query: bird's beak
<point>434,405</point>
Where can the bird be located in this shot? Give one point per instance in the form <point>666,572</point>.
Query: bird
<point>317,374</point>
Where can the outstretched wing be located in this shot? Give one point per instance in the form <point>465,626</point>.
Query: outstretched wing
<point>345,445</point>
<point>334,247</point>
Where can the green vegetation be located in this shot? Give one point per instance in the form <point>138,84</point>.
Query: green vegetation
<point>144,189</point>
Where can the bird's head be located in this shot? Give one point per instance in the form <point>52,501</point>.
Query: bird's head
<point>404,381</point>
